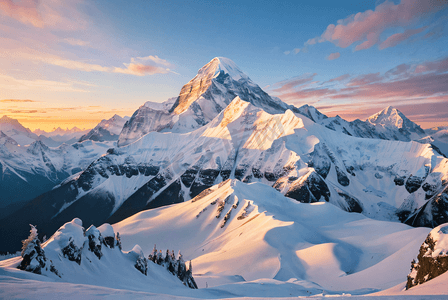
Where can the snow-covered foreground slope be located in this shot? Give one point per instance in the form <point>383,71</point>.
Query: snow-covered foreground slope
<point>246,240</point>
<point>255,232</point>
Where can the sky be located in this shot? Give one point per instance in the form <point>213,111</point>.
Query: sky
<point>73,63</point>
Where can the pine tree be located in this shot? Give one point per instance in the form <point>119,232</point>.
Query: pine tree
<point>33,256</point>
<point>118,241</point>
<point>160,258</point>
<point>153,256</point>
<point>180,266</point>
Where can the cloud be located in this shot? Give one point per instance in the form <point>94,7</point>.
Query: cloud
<point>365,79</point>
<point>11,83</point>
<point>25,11</point>
<point>76,42</point>
<point>139,66</point>
<point>142,66</point>
<point>17,101</point>
<point>296,50</point>
<point>333,56</point>
<point>366,27</point>
<point>433,66</point>
<point>286,52</point>
<point>397,38</point>
<point>340,78</point>
<point>404,85</point>
<point>290,84</point>
<point>63,15</point>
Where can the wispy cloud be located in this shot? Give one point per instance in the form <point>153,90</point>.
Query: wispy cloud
<point>142,66</point>
<point>76,42</point>
<point>366,27</point>
<point>63,15</point>
<point>397,38</point>
<point>11,83</point>
<point>333,56</point>
<point>406,84</point>
<point>24,11</point>
<point>17,101</point>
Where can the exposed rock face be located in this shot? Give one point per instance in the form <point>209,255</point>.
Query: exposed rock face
<point>433,212</point>
<point>432,259</point>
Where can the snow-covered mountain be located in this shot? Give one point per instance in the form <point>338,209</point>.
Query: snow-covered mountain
<point>437,136</point>
<point>382,179</point>
<point>245,240</point>
<point>261,195</point>
<point>58,131</point>
<point>59,136</point>
<point>28,171</point>
<point>15,130</point>
<point>199,101</point>
<point>388,124</point>
<point>106,130</point>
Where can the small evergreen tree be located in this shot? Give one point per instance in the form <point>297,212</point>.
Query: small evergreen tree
<point>33,256</point>
<point>118,241</point>
<point>153,256</point>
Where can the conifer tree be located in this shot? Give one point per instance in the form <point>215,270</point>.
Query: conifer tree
<point>118,241</point>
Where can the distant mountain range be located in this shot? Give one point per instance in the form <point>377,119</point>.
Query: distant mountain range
<point>224,126</point>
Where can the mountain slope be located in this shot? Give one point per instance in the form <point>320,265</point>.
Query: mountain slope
<point>253,231</point>
<point>382,179</point>
<point>199,101</point>
<point>15,130</point>
<point>106,130</point>
<point>388,124</point>
<point>26,172</point>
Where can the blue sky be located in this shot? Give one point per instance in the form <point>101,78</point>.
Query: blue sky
<point>77,62</point>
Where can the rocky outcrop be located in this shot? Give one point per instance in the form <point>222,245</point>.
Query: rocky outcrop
<point>432,259</point>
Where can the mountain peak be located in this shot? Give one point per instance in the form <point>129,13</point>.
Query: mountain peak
<point>224,65</point>
<point>390,117</point>
<point>5,119</point>
<point>219,69</point>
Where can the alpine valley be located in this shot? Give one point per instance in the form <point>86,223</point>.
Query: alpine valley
<point>262,198</point>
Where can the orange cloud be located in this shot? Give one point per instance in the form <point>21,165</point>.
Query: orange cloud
<point>142,66</point>
<point>17,100</point>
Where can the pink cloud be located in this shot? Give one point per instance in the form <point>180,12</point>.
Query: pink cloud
<point>366,27</point>
<point>333,56</point>
<point>141,70</point>
<point>365,79</point>
<point>287,85</point>
<point>63,15</point>
<point>25,12</point>
<point>423,86</point>
<point>397,38</point>
<point>339,78</point>
<point>439,66</point>
<point>142,66</point>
